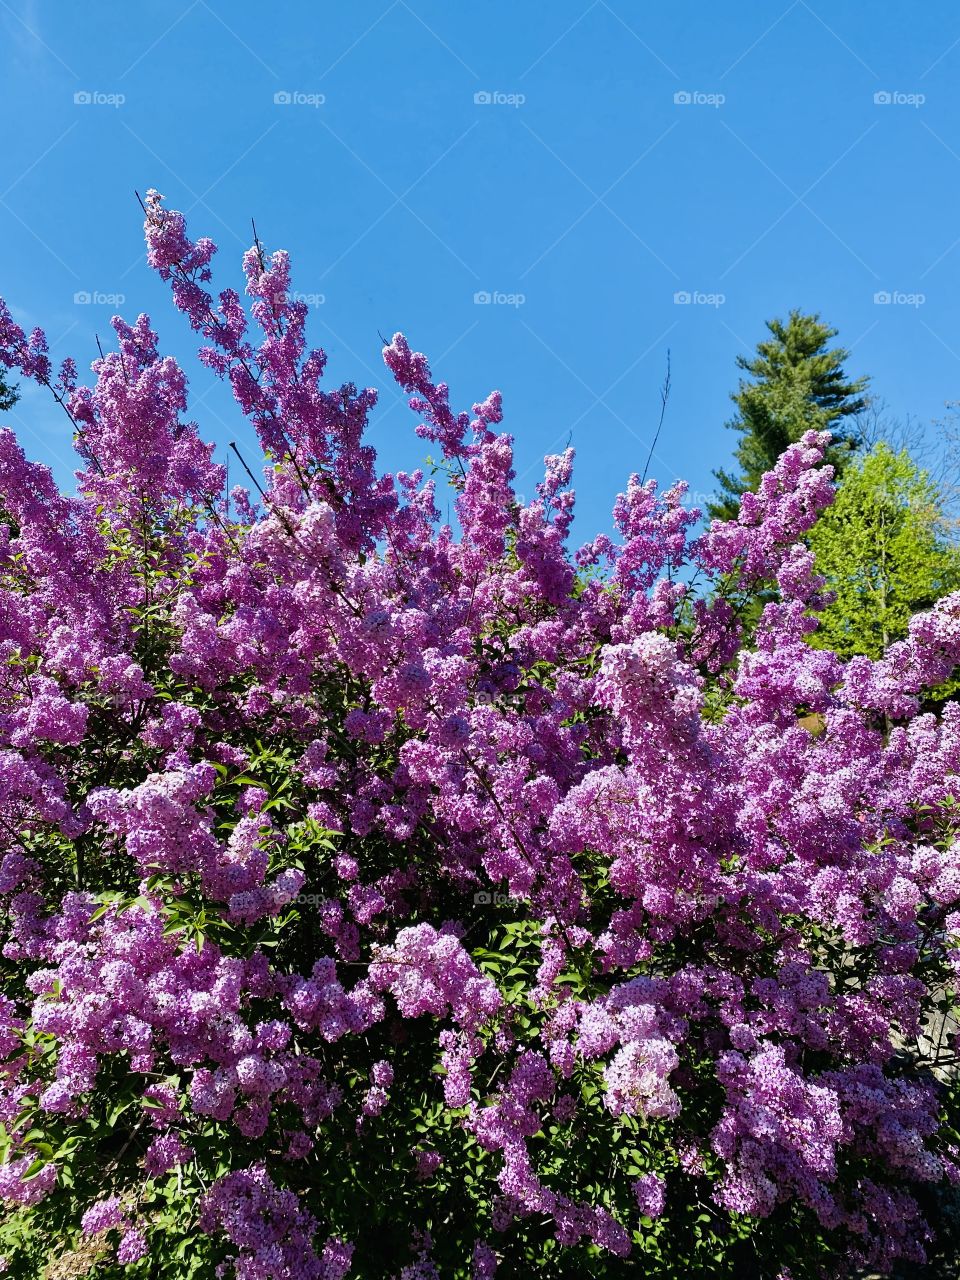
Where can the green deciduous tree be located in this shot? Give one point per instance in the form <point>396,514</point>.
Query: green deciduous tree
<point>798,384</point>
<point>884,551</point>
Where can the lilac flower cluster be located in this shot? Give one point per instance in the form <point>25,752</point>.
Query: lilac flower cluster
<point>272,1233</point>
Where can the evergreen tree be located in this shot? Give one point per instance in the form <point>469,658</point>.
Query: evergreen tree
<point>8,395</point>
<point>798,384</point>
<point>884,553</point>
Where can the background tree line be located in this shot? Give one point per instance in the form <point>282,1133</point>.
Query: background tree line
<point>888,546</point>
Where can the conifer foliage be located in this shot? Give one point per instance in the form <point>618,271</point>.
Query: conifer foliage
<point>798,384</point>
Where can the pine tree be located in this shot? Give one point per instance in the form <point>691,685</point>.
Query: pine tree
<point>883,549</point>
<point>8,395</point>
<point>799,384</point>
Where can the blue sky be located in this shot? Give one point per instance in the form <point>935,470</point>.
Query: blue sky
<point>577,192</point>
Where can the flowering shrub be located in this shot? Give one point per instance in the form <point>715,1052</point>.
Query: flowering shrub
<point>386,900</point>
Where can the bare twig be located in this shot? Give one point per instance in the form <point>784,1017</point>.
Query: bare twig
<point>664,397</point>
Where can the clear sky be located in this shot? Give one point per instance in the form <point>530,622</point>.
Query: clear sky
<point>577,191</point>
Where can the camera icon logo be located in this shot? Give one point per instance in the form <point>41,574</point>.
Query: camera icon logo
<point>683,98</point>
<point>482,899</point>
<point>681,298</point>
<point>882,298</point>
<point>83,98</point>
<point>283,98</point>
<point>81,298</point>
<point>882,98</point>
<point>482,297</point>
<point>483,98</point>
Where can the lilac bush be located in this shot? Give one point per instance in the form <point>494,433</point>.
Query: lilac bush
<point>382,898</point>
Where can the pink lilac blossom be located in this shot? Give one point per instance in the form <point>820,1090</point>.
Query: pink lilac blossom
<point>132,1247</point>
<point>651,1194</point>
